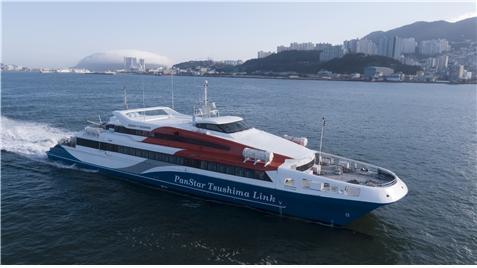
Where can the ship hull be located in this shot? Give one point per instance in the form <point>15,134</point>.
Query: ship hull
<point>331,211</point>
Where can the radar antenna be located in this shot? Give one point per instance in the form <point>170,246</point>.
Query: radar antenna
<point>207,109</point>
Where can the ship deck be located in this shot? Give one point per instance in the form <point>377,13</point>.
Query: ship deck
<point>352,171</point>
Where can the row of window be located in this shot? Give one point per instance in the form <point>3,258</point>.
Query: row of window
<point>130,131</point>
<point>183,161</point>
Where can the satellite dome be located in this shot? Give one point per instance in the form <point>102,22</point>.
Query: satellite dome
<point>114,60</point>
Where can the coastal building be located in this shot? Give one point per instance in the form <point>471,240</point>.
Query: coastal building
<point>372,72</point>
<point>394,77</point>
<point>263,54</point>
<point>232,62</point>
<point>457,72</point>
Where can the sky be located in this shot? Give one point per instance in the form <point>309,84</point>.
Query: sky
<point>59,34</point>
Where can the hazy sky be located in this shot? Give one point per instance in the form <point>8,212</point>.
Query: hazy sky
<point>58,34</point>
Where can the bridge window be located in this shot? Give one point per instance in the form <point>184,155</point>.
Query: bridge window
<point>225,128</point>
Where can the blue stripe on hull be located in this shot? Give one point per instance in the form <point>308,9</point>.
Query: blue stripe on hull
<point>314,208</point>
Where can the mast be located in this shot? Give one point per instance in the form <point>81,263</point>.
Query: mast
<point>172,89</point>
<point>323,123</point>
<point>206,83</point>
<point>125,98</point>
<point>143,101</point>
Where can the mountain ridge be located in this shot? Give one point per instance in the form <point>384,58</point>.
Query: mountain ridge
<point>422,30</point>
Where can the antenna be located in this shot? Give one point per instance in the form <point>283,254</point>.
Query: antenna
<point>125,98</point>
<point>172,89</point>
<point>206,83</point>
<point>142,86</point>
<point>143,102</point>
<point>323,123</point>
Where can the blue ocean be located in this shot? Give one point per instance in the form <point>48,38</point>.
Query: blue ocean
<point>58,214</point>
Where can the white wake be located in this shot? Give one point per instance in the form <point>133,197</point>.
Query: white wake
<point>29,138</point>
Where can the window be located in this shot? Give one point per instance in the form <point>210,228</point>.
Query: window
<point>226,128</point>
<point>205,165</point>
<point>130,131</point>
<point>234,127</point>
<point>87,143</point>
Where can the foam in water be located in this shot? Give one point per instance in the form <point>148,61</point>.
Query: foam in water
<point>29,138</point>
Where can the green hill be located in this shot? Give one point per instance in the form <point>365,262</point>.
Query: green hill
<point>196,64</point>
<point>308,62</point>
<point>355,63</point>
<point>286,61</point>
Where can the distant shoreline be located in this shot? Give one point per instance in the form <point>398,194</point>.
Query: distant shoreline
<point>333,79</point>
<point>284,78</point>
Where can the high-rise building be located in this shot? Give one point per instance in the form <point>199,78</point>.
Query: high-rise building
<point>390,47</point>
<point>367,47</point>
<point>331,52</point>
<point>442,62</point>
<point>132,64</point>
<point>322,46</point>
<point>263,54</point>
<point>457,72</point>
<point>302,46</point>
<point>397,47</point>
<point>282,48</point>
<point>430,63</point>
<point>433,47</point>
<point>351,45</point>
<point>409,45</point>
<point>383,45</point>
<point>142,65</point>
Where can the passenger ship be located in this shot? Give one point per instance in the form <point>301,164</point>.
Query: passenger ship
<point>222,158</point>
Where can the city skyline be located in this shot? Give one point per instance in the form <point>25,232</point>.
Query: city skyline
<point>61,34</point>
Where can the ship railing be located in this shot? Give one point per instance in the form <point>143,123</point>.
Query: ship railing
<point>384,177</point>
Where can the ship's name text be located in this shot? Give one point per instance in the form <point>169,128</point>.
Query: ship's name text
<point>228,190</point>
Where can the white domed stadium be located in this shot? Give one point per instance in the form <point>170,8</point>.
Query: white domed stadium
<point>115,60</point>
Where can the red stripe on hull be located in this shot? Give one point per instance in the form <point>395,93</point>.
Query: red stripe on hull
<point>230,152</point>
